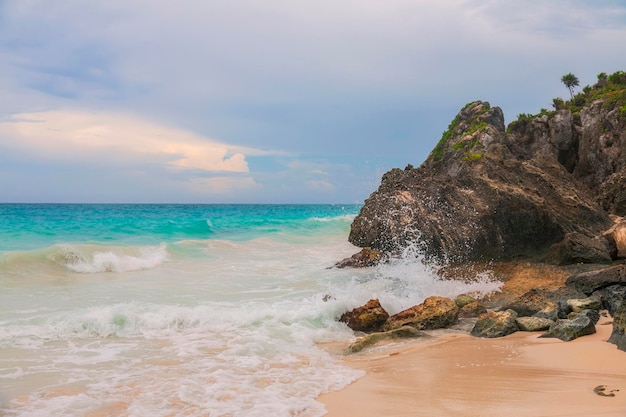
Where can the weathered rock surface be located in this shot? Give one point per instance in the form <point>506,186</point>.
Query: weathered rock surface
<point>541,189</point>
<point>616,236</point>
<point>589,282</point>
<point>567,330</point>
<point>367,318</point>
<point>495,324</point>
<point>612,297</point>
<point>533,324</point>
<point>434,313</point>
<point>474,309</point>
<point>532,302</point>
<point>579,304</point>
<point>618,336</point>
<point>366,257</point>
<point>373,338</point>
<point>464,299</point>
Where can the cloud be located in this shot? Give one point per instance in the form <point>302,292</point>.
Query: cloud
<point>66,135</point>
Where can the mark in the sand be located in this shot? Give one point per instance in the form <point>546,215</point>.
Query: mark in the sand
<point>605,391</point>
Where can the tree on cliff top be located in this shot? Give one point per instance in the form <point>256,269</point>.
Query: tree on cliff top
<point>570,81</point>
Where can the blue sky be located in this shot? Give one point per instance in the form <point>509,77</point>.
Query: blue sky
<point>268,101</point>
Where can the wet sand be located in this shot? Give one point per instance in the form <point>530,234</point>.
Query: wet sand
<point>458,375</point>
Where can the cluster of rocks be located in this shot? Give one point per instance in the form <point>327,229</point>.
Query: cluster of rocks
<point>565,313</point>
<point>549,189</point>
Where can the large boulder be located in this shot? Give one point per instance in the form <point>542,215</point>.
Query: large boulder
<point>591,281</point>
<point>434,313</point>
<point>495,324</point>
<point>531,303</point>
<point>533,324</point>
<point>487,194</point>
<point>367,318</point>
<point>566,330</point>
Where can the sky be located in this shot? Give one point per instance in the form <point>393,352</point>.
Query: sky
<point>268,101</point>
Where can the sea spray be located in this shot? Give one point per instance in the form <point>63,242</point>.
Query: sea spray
<point>112,314</point>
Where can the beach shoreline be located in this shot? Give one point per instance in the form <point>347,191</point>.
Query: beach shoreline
<point>455,374</point>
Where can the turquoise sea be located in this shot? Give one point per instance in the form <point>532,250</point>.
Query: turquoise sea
<point>184,310</point>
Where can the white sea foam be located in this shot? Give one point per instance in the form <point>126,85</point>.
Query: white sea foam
<point>120,259</point>
<point>211,328</point>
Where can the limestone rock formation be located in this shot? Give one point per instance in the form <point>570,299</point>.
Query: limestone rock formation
<point>495,324</point>
<point>589,282</point>
<point>367,318</point>
<point>566,330</point>
<point>373,338</point>
<point>533,324</point>
<point>366,257</point>
<point>434,313</point>
<point>541,189</point>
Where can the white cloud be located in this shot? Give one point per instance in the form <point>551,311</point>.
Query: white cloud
<point>67,135</point>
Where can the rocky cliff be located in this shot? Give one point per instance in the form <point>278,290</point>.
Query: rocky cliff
<point>542,188</point>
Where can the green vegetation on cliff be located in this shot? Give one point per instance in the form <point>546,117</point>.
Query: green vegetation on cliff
<point>464,129</point>
<point>609,88</point>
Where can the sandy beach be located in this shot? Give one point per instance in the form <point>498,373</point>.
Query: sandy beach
<point>459,375</point>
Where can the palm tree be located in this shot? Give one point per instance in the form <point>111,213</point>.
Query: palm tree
<point>570,81</point>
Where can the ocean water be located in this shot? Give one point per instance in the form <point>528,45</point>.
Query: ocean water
<point>184,310</point>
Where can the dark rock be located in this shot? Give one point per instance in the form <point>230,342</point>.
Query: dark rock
<point>373,338</point>
<point>474,309</point>
<point>484,194</point>
<point>588,282</point>
<point>495,324</point>
<point>367,318</point>
<point>531,302</point>
<point>578,248</point>
<point>618,336</point>
<point>567,330</point>
<point>612,297</point>
<point>560,296</point>
<point>434,313</point>
<point>366,257</point>
<point>593,315</point>
<point>534,324</point>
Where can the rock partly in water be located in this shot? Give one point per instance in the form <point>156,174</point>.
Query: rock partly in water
<point>618,336</point>
<point>367,318</point>
<point>364,258</point>
<point>589,282</point>
<point>489,194</point>
<point>534,324</point>
<point>434,313</point>
<point>567,330</point>
<point>373,338</point>
<point>495,324</point>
